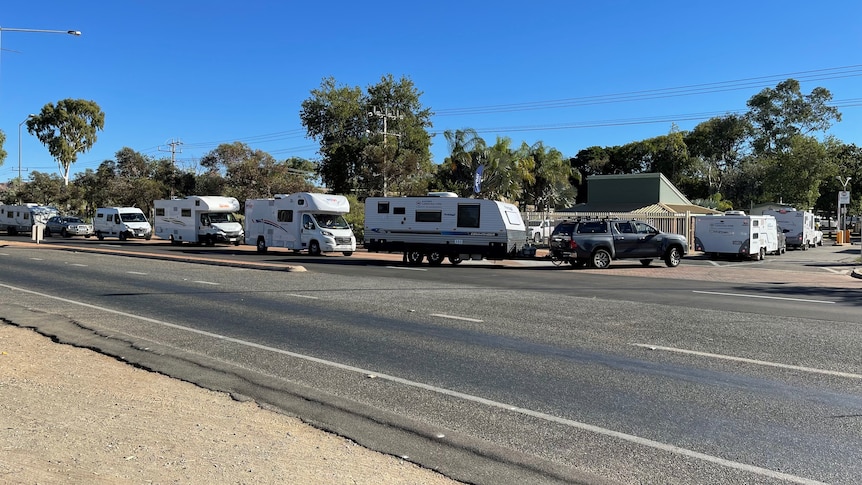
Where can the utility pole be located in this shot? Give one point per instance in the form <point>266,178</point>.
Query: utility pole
<point>386,115</point>
<point>174,149</point>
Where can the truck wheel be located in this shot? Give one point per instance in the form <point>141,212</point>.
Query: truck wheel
<point>261,245</point>
<point>63,232</point>
<point>122,236</point>
<point>601,259</point>
<point>762,254</point>
<point>455,259</point>
<point>314,248</point>
<point>673,257</point>
<point>414,257</point>
<point>646,262</point>
<point>347,253</point>
<point>435,258</point>
<point>99,236</point>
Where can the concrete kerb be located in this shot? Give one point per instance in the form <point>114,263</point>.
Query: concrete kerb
<point>170,257</point>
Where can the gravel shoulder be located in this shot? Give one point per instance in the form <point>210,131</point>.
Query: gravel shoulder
<point>71,415</point>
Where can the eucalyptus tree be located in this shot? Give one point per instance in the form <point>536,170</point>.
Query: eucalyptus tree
<point>370,143</point>
<point>67,129</point>
<point>718,144</point>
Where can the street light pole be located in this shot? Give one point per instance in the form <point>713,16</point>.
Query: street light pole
<point>839,216</point>
<point>76,33</point>
<point>21,180</point>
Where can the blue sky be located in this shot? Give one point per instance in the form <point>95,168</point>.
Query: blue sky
<point>211,72</point>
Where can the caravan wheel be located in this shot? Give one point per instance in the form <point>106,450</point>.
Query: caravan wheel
<point>414,257</point>
<point>455,259</point>
<point>435,258</point>
<point>261,245</point>
<point>314,248</point>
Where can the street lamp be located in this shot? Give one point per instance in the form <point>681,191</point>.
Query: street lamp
<point>21,180</point>
<point>76,33</point>
<point>844,183</point>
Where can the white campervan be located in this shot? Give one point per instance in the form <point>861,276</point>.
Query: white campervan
<point>122,223</point>
<point>735,234</point>
<point>300,221</point>
<point>798,226</point>
<point>198,220</point>
<point>15,219</point>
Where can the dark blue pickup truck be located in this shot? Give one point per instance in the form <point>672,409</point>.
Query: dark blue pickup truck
<point>597,242</point>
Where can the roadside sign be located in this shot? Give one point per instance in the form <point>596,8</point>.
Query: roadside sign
<point>844,197</point>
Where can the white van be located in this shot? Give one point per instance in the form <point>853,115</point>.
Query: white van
<point>122,223</point>
<point>735,234</point>
<point>300,221</point>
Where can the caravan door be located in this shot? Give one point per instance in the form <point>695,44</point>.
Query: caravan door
<point>308,230</point>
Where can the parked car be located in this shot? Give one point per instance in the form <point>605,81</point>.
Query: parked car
<point>539,231</point>
<point>68,226</point>
<point>598,242</point>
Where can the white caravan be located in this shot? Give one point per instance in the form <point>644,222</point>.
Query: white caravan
<point>300,221</point>
<point>15,219</point>
<point>122,223</point>
<point>443,226</point>
<point>798,226</point>
<point>198,220</point>
<point>735,234</point>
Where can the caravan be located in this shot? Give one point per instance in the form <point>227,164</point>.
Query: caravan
<point>198,220</point>
<point>799,227</point>
<point>735,234</point>
<point>442,226</point>
<point>16,219</point>
<point>300,221</point>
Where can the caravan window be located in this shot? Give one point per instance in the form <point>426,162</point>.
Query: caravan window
<point>429,216</point>
<point>285,216</point>
<point>383,207</point>
<point>160,211</point>
<point>185,213</point>
<point>468,215</point>
<point>399,210</point>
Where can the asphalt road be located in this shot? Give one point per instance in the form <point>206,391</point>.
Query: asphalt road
<point>523,372</point>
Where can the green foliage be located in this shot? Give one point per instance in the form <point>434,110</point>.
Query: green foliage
<point>2,144</point>
<point>371,143</point>
<point>67,129</point>
<point>356,217</point>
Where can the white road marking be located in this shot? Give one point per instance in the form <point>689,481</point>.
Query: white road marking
<point>78,264</point>
<point>407,268</point>
<point>206,282</point>
<point>453,317</point>
<point>4,254</point>
<point>744,295</point>
<point>136,272</point>
<point>468,397</point>
<point>303,296</point>
<point>767,363</point>
<point>37,259</point>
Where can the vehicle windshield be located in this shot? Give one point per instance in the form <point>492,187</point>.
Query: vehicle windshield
<point>73,219</point>
<point>132,217</point>
<point>331,221</point>
<point>218,217</point>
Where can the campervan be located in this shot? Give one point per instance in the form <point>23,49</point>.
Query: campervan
<point>122,223</point>
<point>198,220</point>
<point>16,219</point>
<point>735,234</point>
<point>442,226</point>
<point>303,221</point>
<point>798,226</point>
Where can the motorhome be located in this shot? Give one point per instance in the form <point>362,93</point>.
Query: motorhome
<point>198,220</point>
<point>121,222</point>
<point>735,234</point>
<point>443,226</point>
<point>303,221</point>
<point>798,226</point>
<point>16,219</point>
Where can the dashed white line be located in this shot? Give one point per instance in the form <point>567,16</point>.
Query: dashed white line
<point>136,272</point>
<point>766,363</point>
<point>468,397</point>
<point>303,296</point>
<point>455,317</point>
<point>745,295</point>
<point>406,268</point>
<point>206,282</point>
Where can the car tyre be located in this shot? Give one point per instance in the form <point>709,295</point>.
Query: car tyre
<point>347,253</point>
<point>646,262</point>
<point>63,232</point>
<point>673,257</point>
<point>601,259</point>
<point>261,245</point>
<point>47,232</point>
<point>100,236</point>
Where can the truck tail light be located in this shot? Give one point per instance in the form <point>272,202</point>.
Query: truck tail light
<point>573,244</point>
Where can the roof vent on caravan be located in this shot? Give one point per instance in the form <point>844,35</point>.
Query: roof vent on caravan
<point>734,213</point>
<point>442,194</point>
